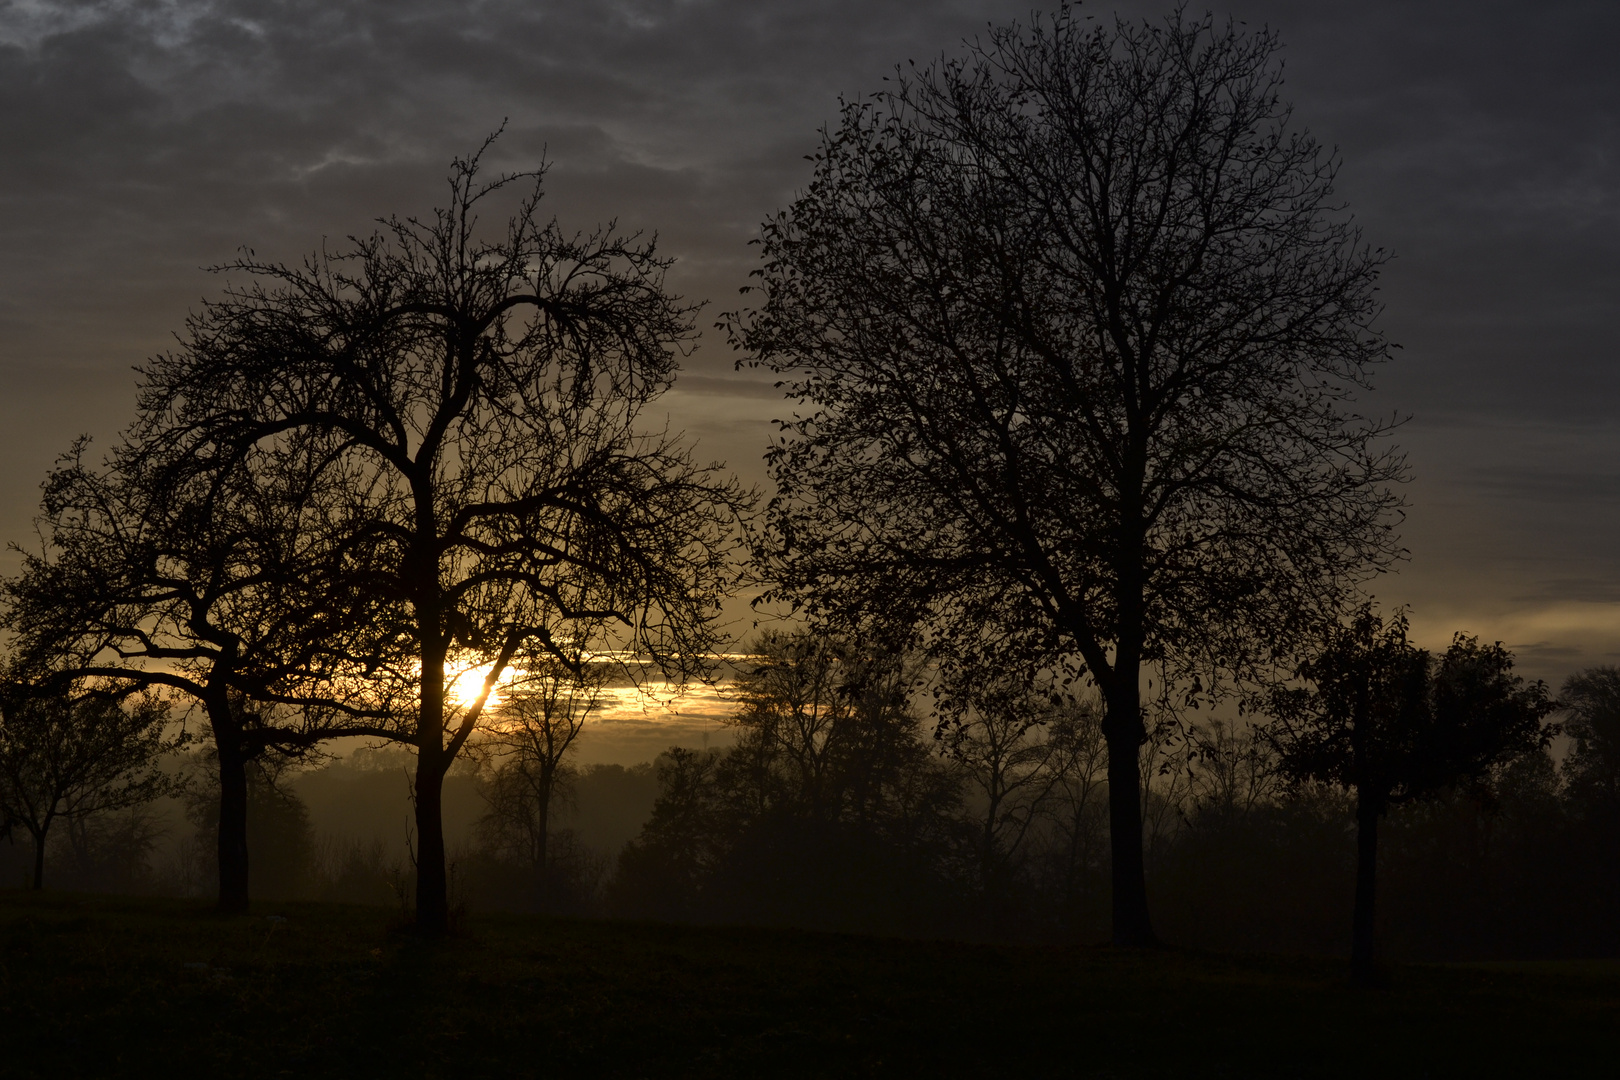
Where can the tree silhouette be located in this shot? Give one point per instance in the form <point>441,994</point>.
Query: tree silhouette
<point>478,403</point>
<point>533,730</point>
<point>664,871</point>
<point>998,729</point>
<point>67,756</point>
<point>1592,767</point>
<point>159,568</point>
<point>1395,724</point>
<point>796,717</point>
<point>826,728</point>
<point>1077,322</point>
<point>830,810</point>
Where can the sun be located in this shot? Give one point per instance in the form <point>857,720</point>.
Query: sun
<point>462,688</point>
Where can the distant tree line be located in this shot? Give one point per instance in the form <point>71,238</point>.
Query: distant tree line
<point>839,808</point>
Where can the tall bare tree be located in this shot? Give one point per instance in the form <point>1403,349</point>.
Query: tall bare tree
<point>1076,325</point>
<point>480,402</point>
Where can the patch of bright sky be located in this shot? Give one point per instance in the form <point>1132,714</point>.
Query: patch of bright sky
<point>27,23</point>
<point>652,699</point>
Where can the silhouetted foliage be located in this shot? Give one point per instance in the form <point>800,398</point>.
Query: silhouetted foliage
<point>1592,767</point>
<point>1246,853</point>
<point>161,567</point>
<point>610,803</point>
<point>1069,863</point>
<point>829,811</point>
<point>1394,724</point>
<point>1517,866</point>
<point>1077,322</point>
<point>478,403</point>
<point>113,851</point>
<point>1488,872</point>
<point>1589,841</point>
<point>1271,877</point>
<point>1031,770</point>
<point>69,756</point>
<point>664,872</point>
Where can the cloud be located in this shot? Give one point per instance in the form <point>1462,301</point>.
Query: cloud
<point>147,139</point>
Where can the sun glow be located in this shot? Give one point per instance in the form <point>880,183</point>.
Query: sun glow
<point>626,696</point>
<point>462,688</point>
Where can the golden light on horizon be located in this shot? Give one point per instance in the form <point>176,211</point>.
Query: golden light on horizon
<point>622,698</point>
<point>463,687</point>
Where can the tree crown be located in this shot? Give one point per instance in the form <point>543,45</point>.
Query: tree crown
<point>1078,325</point>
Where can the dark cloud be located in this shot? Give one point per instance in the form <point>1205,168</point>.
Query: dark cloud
<point>147,139</point>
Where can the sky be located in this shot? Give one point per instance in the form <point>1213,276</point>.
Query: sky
<point>141,142</point>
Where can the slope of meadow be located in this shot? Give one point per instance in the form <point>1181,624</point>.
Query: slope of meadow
<point>104,986</point>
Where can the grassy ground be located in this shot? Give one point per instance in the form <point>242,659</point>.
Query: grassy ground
<point>103,986</point>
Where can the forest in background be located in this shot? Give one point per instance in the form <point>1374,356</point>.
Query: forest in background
<point>868,820</point>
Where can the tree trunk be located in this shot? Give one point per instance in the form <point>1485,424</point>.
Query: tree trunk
<point>39,858</point>
<point>1122,727</point>
<point>1123,730</point>
<point>543,841</point>
<point>232,841</point>
<point>231,846</point>
<point>1131,923</point>
<point>432,882</point>
<point>1363,955</point>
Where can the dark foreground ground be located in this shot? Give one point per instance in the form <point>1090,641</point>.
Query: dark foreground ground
<point>101,986</point>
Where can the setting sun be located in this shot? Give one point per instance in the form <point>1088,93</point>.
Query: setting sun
<point>463,687</point>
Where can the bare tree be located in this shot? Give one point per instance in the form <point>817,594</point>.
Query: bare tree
<point>69,756</point>
<point>480,404</point>
<point>1077,324</point>
<point>1592,767</point>
<point>827,725</point>
<point>532,732</point>
<point>796,713</point>
<point>223,586</point>
<point>996,730</point>
<point>1235,767</point>
<point>1165,769</point>
<point>1077,756</point>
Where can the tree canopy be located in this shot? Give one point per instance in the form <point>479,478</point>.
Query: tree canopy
<point>1077,326</point>
<point>1593,764</point>
<point>1393,723</point>
<point>227,586</point>
<point>70,755</point>
<point>477,396</point>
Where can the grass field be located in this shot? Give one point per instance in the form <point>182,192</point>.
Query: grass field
<point>112,986</point>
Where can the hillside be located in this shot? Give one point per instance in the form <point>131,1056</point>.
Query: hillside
<point>93,986</point>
